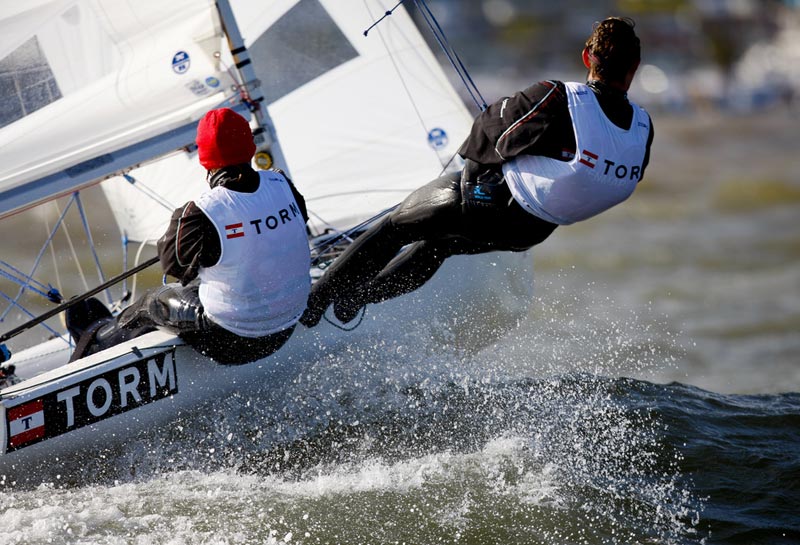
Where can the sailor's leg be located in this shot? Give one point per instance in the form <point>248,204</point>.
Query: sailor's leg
<point>81,316</point>
<point>450,229</point>
<point>422,215</point>
<point>410,270</point>
<point>172,305</point>
<point>141,312</point>
<point>362,260</point>
<point>143,315</point>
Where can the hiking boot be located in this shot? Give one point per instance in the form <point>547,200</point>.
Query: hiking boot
<point>81,316</point>
<point>346,310</point>
<point>312,315</point>
<point>318,302</point>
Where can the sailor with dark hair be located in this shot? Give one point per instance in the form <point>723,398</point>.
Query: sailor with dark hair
<point>552,154</point>
<point>241,254</point>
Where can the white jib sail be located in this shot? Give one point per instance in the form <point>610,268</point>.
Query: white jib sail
<point>362,120</point>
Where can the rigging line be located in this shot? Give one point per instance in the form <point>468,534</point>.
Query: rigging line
<point>327,244</point>
<point>451,54</point>
<point>395,65</point>
<point>325,224</point>
<point>72,250</point>
<point>455,54</point>
<point>56,268</point>
<point>385,15</point>
<point>148,192</point>
<point>38,259</point>
<point>32,315</point>
<point>20,275</point>
<point>142,246</point>
<point>29,284</point>
<point>90,241</point>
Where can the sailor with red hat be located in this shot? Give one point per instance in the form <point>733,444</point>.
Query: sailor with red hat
<point>240,252</point>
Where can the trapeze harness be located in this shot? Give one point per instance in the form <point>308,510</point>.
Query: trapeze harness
<point>260,284</point>
<point>604,172</point>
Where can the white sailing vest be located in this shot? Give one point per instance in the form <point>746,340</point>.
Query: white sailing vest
<point>603,173</point>
<point>261,283</point>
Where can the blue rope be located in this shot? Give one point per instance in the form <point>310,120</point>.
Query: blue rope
<point>38,260</point>
<point>51,293</point>
<point>22,279</point>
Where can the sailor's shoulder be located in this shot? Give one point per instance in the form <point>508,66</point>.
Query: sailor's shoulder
<point>274,174</point>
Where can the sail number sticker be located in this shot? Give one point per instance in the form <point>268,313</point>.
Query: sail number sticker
<point>92,400</point>
<point>180,62</point>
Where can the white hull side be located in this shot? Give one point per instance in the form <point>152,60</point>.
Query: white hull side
<point>470,302</point>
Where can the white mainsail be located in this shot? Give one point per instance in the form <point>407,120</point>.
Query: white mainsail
<point>361,120</point>
<point>112,84</point>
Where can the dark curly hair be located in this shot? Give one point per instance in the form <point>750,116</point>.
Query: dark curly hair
<point>613,48</point>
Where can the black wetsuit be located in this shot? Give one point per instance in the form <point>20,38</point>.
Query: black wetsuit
<point>468,213</point>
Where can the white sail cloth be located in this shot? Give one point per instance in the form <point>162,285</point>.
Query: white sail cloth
<point>367,124</point>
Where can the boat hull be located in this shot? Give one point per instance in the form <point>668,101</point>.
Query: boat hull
<point>72,412</point>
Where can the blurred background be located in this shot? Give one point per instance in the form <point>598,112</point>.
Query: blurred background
<point>702,264</point>
<point>733,54</point>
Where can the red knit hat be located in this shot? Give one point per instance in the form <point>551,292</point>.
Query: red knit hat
<point>224,138</point>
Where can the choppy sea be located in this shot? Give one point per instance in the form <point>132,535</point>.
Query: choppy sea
<point>651,397</point>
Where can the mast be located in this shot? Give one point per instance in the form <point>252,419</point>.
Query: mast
<point>268,150</point>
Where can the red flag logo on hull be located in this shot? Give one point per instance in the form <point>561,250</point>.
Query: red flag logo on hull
<point>26,423</point>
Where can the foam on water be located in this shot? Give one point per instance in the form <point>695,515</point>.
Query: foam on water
<point>402,441</point>
<point>442,497</point>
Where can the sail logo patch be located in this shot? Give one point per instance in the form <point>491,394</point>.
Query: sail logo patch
<point>181,62</point>
<point>26,423</point>
<point>437,138</point>
<point>234,230</point>
<point>197,87</point>
<point>93,399</point>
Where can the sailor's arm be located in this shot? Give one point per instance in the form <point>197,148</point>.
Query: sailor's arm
<point>646,160</point>
<point>515,125</point>
<point>190,242</point>
<point>301,201</point>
